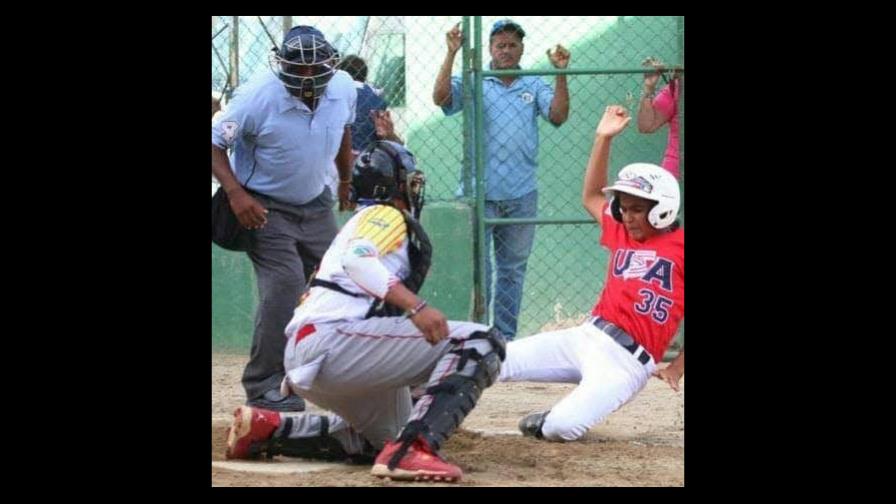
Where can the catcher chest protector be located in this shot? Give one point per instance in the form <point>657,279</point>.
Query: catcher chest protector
<point>456,395</point>
<point>420,255</point>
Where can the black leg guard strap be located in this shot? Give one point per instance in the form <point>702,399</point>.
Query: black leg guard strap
<point>321,447</point>
<point>494,336</point>
<point>407,437</point>
<point>465,356</point>
<point>487,368</point>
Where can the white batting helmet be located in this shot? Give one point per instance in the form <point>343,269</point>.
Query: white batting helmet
<point>650,182</point>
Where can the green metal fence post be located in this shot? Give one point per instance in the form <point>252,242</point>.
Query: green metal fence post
<point>479,314</point>
<point>470,49</point>
<point>466,54</point>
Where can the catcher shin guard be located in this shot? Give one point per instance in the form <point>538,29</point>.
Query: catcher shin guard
<point>495,338</point>
<point>455,396</point>
<point>309,436</point>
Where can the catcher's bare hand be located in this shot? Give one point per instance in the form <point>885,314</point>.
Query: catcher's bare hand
<point>432,323</point>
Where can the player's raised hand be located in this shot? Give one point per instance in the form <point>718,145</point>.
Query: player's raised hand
<point>615,119</point>
<point>432,323</point>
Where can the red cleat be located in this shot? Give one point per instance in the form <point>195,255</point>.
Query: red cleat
<point>250,426</point>
<point>418,464</point>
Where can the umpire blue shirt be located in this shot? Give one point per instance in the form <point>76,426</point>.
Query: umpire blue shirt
<point>291,150</point>
<point>511,132</point>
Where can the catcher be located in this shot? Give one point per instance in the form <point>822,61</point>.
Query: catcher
<point>362,337</point>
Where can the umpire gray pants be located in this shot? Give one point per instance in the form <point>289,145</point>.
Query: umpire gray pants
<point>285,253</point>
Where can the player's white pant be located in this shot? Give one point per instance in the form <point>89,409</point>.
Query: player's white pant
<point>363,370</point>
<point>607,374</point>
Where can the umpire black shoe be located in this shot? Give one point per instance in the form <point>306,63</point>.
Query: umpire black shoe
<point>531,424</point>
<point>273,400</point>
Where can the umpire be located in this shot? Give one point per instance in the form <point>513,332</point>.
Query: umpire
<point>285,130</point>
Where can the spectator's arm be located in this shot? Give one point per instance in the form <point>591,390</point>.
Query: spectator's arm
<point>651,117</point>
<point>441,93</point>
<point>560,103</point>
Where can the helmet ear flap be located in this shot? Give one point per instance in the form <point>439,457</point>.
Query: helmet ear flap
<point>614,208</point>
<point>656,217</point>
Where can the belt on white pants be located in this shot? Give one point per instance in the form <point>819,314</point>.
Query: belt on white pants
<point>623,338</point>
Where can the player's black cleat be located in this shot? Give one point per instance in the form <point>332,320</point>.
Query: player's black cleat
<point>530,425</point>
<point>273,400</point>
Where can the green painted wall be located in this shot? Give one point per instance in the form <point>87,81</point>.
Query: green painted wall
<point>234,298</point>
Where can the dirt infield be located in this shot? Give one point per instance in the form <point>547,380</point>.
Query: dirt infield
<point>642,444</point>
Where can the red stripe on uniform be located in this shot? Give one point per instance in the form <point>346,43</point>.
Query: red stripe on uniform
<point>303,331</point>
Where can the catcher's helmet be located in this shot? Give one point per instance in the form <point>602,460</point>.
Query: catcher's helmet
<point>305,46</point>
<point>650,182</point>
<point>385,170</point>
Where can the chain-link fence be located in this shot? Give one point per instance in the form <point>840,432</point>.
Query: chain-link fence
<point>567,266</point>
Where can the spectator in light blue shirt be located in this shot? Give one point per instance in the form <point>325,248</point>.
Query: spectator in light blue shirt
<point>511,106</point>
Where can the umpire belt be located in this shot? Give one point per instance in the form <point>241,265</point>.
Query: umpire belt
<point>623,338</point>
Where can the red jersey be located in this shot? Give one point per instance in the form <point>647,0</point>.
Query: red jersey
<point>644,291</point>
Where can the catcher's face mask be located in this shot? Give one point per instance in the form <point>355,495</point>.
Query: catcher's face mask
<point>416,189</point>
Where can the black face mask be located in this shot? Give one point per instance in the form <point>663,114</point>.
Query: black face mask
<point>306,50</point>
<point>308,87</point>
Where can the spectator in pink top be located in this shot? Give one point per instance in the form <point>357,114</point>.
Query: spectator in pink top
<point>654,112</point>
